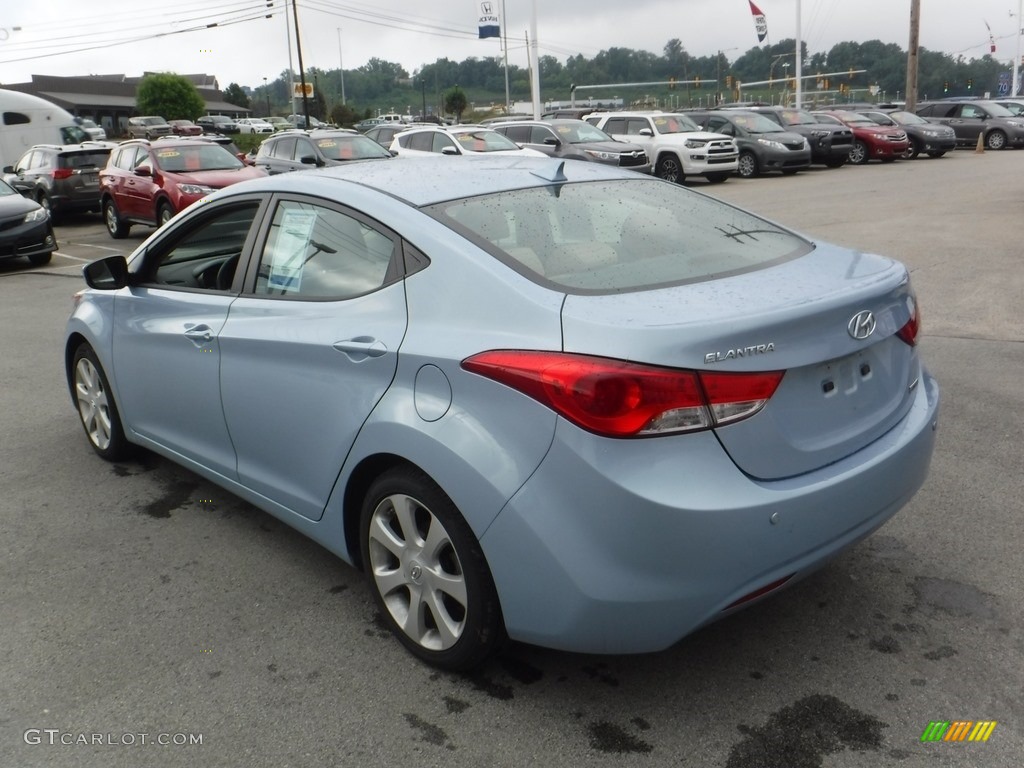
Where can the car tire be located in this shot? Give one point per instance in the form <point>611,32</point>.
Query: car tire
<point>995,140</point>
<point>164,213</point>
<point>936,154</point>
<point>716,178</point>
<point>913,150</point>
<point>96,408</point>
<point>44,202</point>
<point>859,153</point>
<point>670,169</point>
<point>836,162</point>
<point>40,259</point>
<point>747,166</point>
<point>440,602</point>
<point>115,224</point>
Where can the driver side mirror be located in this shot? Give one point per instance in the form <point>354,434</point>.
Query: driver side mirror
<point>109,274</point>
<point>143,169</point>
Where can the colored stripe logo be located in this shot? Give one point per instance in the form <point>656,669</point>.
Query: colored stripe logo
<point>958,730</point>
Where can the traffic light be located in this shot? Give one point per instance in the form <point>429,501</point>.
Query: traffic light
<point>696,82</point>
<point>945,86</point>
<point>728,82</point>
<point>970,83</point>
<point>671,83</point>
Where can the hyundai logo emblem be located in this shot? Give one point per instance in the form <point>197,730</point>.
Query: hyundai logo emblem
<point>862,324</point>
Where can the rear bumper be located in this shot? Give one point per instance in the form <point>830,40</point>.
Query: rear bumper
<point>654,538</point>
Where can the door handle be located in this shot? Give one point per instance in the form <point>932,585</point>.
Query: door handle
<point>199,333</point>
<point>360,348</point>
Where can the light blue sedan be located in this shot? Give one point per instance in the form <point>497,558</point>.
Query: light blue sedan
<point>558,403</point>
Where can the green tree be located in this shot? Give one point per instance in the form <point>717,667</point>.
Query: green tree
<point>171,96</point>
<point>455,102</point>
<point>234,94</point>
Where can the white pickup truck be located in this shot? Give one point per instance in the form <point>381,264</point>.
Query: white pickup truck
<point>675,144</point>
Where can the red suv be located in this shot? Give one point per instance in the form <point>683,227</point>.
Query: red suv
<point>871,141</point>
<point>147,183</point>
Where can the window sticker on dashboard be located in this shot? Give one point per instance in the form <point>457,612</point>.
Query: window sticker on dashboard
<point>289,250</point>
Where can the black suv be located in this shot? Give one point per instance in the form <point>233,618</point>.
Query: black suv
<point>62,179</point>
<point>296,149</point>
<point>764,144</point>
<point>971,118</point>
<point>830,144</point>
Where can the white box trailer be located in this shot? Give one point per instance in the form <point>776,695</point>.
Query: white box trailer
<point>26,120</point>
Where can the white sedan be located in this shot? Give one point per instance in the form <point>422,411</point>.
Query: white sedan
<point>457,140</point>
<point>253,125</point>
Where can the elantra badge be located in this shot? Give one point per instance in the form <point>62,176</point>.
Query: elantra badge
<point>862,325</point>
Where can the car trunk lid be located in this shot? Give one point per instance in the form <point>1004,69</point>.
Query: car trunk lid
<point>804,317</point>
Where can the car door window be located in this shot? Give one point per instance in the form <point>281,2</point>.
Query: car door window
<point>284,149</point>
<point>25,163</point>
<point>304,148</point>
<point>443,141</point>
<point>615,125</point>
<point>537,135</point>
<point>314,252</point>
<point>206,253</point>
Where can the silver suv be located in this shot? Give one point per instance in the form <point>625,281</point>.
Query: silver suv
<point>575,140</point>
<point>148,127</point>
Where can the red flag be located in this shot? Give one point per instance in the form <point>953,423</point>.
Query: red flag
<point>760,25</point>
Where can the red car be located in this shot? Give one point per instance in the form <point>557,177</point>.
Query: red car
<point>871,141</point>
<point>184,128</point>
<point>148,182</point>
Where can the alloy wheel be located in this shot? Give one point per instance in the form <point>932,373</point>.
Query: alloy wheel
<point>417,572</point>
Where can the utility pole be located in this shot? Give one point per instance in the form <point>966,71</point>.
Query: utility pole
<point>912,46</point>
<point>302,71</point>
<point>341,69</point>
<point>1015,87</point>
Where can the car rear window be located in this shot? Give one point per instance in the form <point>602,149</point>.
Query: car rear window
<point>621,235</point>
<point>85,159</point>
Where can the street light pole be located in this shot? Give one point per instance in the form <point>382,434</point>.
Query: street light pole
<point>341,68</point>
<point>266,90</point>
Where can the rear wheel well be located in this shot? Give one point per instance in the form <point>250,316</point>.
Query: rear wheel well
<point>368,470</point>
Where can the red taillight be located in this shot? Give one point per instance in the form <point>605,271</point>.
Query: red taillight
<point>912,328</point>
<point>62,173</point>
<point>616,398</point>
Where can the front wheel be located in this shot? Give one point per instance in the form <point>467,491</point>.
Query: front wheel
<point>164,213</point>
<point>716,178</point>
<point>936,154</point>
<point>836,162</point>
<point>96,407</point>
<point>913,150</point>
<point>115,226</point>
<point>859,153</point>
<point>995,140</point>
<point>746,167</point>
<point>427,572</point>
<point>670,169</point>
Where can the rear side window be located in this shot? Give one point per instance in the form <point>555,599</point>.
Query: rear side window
<point>15,118</point>
<point>314,252</point>
<point>615,236</point>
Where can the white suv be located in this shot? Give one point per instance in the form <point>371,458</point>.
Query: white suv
<point>675,144</point>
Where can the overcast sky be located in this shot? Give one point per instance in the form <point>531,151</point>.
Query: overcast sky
<point>245,47</point>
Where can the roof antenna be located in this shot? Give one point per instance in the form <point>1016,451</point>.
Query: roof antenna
<point>551,171</point>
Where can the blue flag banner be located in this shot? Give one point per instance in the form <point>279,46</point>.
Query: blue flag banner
<point>489,26</point>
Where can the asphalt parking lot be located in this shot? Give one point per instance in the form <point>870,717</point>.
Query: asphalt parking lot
<point>141,604</point>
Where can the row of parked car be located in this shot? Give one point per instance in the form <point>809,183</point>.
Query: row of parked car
<point>148,180</point>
